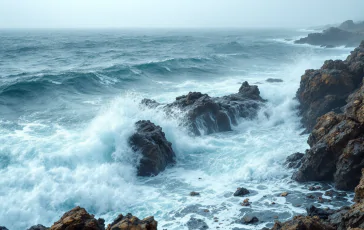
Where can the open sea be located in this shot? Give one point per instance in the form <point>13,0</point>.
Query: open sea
<point>69,100</point>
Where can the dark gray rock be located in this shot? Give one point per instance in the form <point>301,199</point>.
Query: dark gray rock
<point>156,152</point>
<point>294,160</point>
<point>3,228</point>
<point>38,227</point>
<point>249,220</point>
<point>241,192</point>
<point>273,80</point>
<point>196,224</point>
<point>321,213</point>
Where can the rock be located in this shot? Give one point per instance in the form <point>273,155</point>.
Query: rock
<point>284,194</point>
<point>205,115</point>
<point>79,219</point>
<point>349,25</point>
<point>337,146</point>
<point>196,224</point>
<point>302,223</point>
<point>194,193</point>
<point>294,160</point>
<point>359,190</point>
<point>249,220</point>
<point>156,152</point>
<point>332,37</point>
<point>3,228</point>
<point>246,202</point>
<point>37,227</point>
<point>319,212</point>
<point>130,222</point>
<point>241,192</point>
<point>272,80</point>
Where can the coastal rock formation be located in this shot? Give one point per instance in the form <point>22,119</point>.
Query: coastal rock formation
<point>206,115</point>
<point>327,89</point>
<point>130,222</point>
<point>337,146</point>
<point>38,227</point>
<point>156,152</point>
<point>347,34</point>
<point>78,218</point>
<point>294,160</point>
<point>342,219</point>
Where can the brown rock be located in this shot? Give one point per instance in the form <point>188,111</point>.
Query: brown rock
<point>130,222</point>
<point>284,194</point>
<point>78,219</point>
<point>302,223</point>
<point>359,190</point>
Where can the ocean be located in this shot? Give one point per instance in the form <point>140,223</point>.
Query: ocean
<point>69,100</point>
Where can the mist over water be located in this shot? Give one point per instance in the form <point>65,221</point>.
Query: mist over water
<point>69,100</point>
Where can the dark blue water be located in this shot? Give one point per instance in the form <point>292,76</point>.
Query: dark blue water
<point>69,99</point>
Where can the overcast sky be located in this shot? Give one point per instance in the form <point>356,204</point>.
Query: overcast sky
<point>176,13</point>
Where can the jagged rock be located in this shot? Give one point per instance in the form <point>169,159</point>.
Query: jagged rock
<point>196,224</point>
<point>337,146</point>
<point>241,192</point>
<point>302,223</point>
<point>156,152</point>
<point>205,115</point>
<point>294,160</point>
<point>359,190</point>
<point>38,227</point>
<point>3,228</point>
<point>319,212</point>
<point>333,36</point>
<point>78,218</point>
<point>130,222</point>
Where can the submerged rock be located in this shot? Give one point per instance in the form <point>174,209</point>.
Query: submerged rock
<point>241,192</point>
<point>196,224</point>
<point>273,80</point>
<point>249,220</point>
<point>194,193</point>
<point>78,218</point>
<point>205,115</point>
<point>130,222</point>
<point>156,152</point>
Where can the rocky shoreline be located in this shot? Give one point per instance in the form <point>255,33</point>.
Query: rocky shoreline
<point>332,109</point>
<point>348,34</point>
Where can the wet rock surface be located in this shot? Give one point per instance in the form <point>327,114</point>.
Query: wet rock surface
<point>196,224</point>
<point>130,222</point>
<point>205,115</point>
<point>78,218</point>
<point>294,160</point>
<point>156,152</point>
<point>337,146</point>
<point>241,192</point>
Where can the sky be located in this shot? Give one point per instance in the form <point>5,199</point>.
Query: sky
<point>176,13</point>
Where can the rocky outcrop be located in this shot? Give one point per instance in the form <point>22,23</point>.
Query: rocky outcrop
<point>332,37</point>
<point>130,222</point>
<point>337,146</point>
<point>302,223</point>
<point>351,26</point>
<point>78,218</point>
<point>342,219</point>
<point>327,89</point>
<point>205,115</point>
<point>38,227</point>
<point>294,160</point>
<point>156,152</point>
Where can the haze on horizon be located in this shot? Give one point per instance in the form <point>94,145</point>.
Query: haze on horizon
<point>176,13</point>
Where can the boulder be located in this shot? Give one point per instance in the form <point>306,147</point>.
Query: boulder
<point>241,192</point>
<point>196,224</point>
<point>130,222</point>
<point>156,152</point>
<point>319,212</point>
<point>205,115</point>
<point>78,218</point>
<point>249,220</point>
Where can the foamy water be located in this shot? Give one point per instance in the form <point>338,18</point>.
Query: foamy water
<point>51,162</point>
